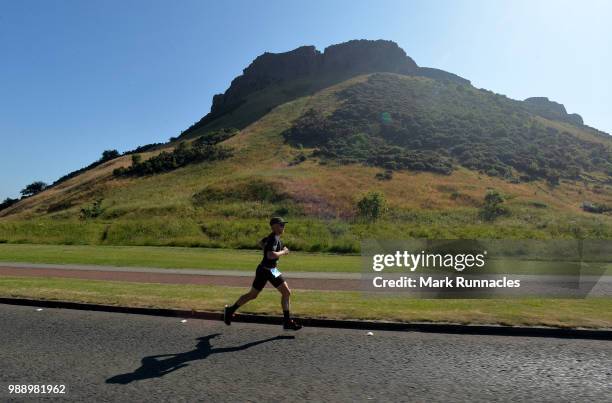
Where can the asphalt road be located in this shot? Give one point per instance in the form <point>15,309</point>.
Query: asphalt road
<point>121,357</point>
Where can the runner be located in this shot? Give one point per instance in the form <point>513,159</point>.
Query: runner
<point>267,271</point>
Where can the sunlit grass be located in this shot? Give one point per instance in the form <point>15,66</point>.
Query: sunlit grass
<point>172,257</point>
<point>596,312</point>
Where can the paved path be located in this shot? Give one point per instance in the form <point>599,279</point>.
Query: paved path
<point>299,280</point>
<point>107,357</point>
<point>532,285</point>
<point>199,272</point>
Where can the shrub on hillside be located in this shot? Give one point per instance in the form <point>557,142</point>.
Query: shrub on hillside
<point>538,204</point>
<point>59,206</point>
<point>372,206</point>
<point>431,126</point>
<point>598,208</point>
<point>385,176</point>
<point>184,154</point>
<point>250,190</point>
<point>108,155</point>
<point>94,211</point>
<point>33,188</point>
<point>8,202</point>
<point>552,178</point>
<point>493,206</point>
<point>215,136</point>
<point>144,148</point>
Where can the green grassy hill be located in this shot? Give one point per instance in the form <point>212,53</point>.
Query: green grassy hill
<point>311,145</point>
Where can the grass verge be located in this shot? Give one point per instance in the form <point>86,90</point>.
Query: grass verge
<point>171,257</point>
<point>590,313</point>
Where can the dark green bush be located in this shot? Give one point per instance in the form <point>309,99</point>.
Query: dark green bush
<point>538,204</point>
<point>94,211</point>
<point>372,206</point>
<point>430,126</point>
<point>183,155</point>
<point>108,155</point>
<point>59,206</point>
<point>8,202</point>
<point>249,190</point>
<point>142,149</point>
<point>598,208</point>
<point>493,206</point>
<point>215,136</point>
<point>385,176</point>
<point>33,188</point>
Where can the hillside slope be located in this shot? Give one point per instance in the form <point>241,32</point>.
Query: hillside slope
<point>312,154</point>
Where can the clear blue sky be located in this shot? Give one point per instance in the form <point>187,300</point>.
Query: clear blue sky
<point>78,77</point>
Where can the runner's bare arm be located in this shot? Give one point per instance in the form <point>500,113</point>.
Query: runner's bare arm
<point>276,255</point>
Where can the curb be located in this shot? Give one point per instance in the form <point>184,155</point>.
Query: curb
<point>448,328</point>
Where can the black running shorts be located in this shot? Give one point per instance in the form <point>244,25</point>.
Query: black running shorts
<point>263,275</point>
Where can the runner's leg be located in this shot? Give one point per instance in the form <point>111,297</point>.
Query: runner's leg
<point>289,324</point>
<point>259,282</point>
<point>251,295</point>
<point>228,312</point>
<point>285,299</point>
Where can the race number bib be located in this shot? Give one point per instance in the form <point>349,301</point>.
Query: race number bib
<point>275,272</point>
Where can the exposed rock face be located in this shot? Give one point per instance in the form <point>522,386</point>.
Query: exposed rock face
<point>349,58</point>
<point>363,56</point>
<point>339,62</point>
<point>551,110</point>
<point>266,70</point>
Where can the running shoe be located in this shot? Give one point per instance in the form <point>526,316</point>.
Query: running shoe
<point>228,315</point>
<point>291,325</point>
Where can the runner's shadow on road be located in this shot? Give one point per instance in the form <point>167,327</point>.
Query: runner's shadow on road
<point>153,367</point>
